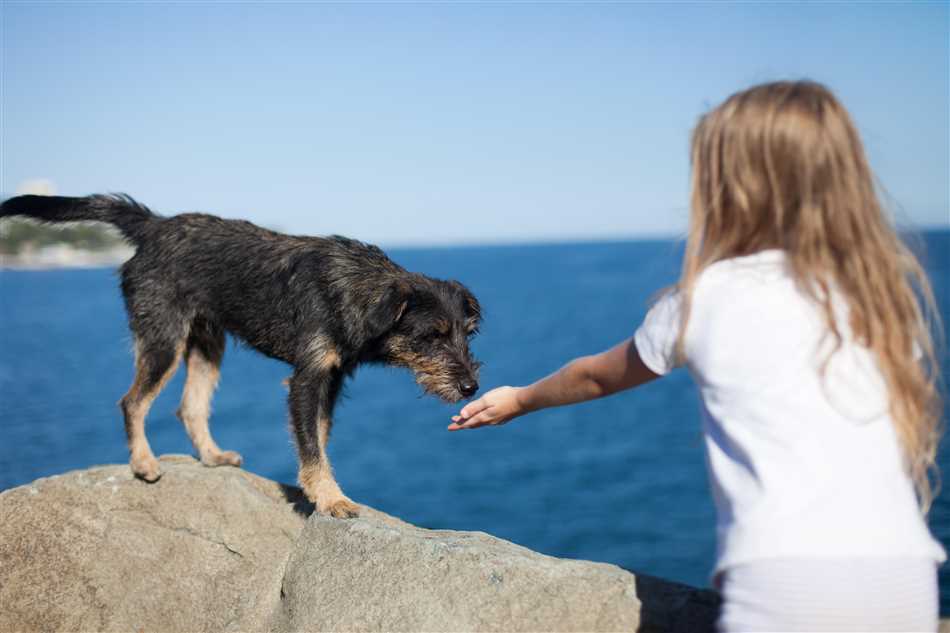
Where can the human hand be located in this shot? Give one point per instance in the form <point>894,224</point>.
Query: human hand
<point>498,406</point>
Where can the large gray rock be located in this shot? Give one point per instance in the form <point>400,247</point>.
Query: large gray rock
<point>97,550</point>
<point>380,574</point>
<point>224,550</point>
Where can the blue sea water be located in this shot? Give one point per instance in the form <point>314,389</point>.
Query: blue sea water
<point>620,480</point>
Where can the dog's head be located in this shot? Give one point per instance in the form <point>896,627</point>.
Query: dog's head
<point>426,324</point>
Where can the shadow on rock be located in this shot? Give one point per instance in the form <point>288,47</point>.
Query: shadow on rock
<point>675,608</point>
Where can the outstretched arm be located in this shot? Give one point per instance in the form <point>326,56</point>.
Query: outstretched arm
<point>582,379</point>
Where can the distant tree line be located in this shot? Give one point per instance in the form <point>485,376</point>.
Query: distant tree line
<point>17,235</point>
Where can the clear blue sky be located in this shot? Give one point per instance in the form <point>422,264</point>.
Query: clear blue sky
<point>426,123</point>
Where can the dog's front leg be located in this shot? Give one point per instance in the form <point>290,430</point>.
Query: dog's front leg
<point>312,396</point>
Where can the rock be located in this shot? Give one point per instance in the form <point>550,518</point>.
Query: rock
<point>380,574</point>
<point>224,550</point>
<point>97,550</point>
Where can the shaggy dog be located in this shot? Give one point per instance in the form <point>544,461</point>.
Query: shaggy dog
<point>324,305</point>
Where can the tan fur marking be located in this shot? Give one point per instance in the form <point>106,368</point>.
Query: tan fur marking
<point>323,435</point>
<point>195,410</point>
<point>320,486</point>
<point>311,475</point>
<point>196,398</point>
<point>331,359</point>
<point>442,326</point>
<point>321,354</point>
<point>136,404</point>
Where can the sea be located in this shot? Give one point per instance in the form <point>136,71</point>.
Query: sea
<point>620,480</point>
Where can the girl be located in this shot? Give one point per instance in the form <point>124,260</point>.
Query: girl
<point>797,314</point>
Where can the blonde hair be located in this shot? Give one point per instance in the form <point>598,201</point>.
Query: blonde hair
<point>780,165</point>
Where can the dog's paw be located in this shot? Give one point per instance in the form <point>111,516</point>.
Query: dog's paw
<point>222,458</point>
<point>342,509</point>
<point>147,469</point>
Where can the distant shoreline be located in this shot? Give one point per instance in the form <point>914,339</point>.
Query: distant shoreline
<point>63,256</point>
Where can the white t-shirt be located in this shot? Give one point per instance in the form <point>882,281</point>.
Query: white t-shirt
<point>799,466</point>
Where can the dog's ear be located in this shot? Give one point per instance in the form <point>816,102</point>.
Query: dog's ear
<point>473,311</point>
<point>472,307</point>
<point>388,309</point>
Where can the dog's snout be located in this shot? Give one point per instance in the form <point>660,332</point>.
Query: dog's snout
<point>468,388</point>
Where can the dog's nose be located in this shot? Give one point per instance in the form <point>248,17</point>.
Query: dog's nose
<point>468,387</point>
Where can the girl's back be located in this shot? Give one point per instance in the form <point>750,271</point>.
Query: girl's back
<point>801,448</point>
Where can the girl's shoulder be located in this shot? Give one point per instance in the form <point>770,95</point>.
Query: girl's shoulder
<point>753,292</point>
<point>761,267</point>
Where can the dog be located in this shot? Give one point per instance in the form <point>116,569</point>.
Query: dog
<point>324,305</point>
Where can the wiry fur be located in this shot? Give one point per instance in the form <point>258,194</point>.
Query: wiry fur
<point>322,305</point>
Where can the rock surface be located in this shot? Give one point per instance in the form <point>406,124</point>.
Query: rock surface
<point>95,550</point>
<point>380,574</point>
<point>224,550</point>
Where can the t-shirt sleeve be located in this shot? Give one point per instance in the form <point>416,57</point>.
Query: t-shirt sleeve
<point>656,337</point>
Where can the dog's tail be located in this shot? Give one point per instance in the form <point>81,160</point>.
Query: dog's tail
<point>130,217</point>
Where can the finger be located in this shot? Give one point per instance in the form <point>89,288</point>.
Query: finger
<point>460,424</point>
<point>457,423</point>
<point>473,408</point>
<point>480,419</point>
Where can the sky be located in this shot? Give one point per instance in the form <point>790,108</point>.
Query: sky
<point>447,122</point>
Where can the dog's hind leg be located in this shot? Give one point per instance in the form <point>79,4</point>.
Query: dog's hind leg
<point>312,395</point>
<point>155,364</point>
<point>203,354</point>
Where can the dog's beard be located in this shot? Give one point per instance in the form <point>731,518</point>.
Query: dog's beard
<point>439,385</point>
<point>436,377</point>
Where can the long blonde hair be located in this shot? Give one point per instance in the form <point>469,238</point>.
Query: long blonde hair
<point>780,165</point>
